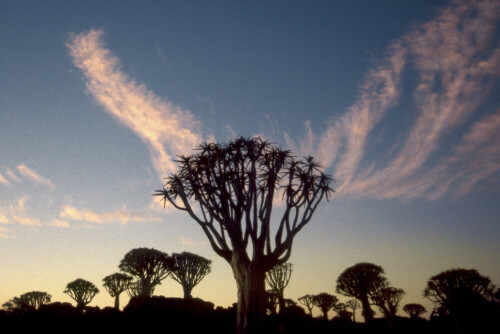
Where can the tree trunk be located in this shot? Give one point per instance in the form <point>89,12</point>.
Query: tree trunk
<point>117,301</point>
<point>367,311</point>
<point>251,312</point>
<point>187,291</point>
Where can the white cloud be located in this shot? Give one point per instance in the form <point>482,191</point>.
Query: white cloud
<point>34,176</point>
<point>167,130</point>
<point>122,216</point>
<point>59,223</point>
<point>4,181</point>
<point>12,175</point>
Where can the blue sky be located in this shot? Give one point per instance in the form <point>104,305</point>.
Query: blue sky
<point>398,99</point>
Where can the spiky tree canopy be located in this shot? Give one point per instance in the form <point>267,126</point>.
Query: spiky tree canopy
<point>189,269</point>
<point>414,310</point>
<point>325,302</point>
<point>387,298</point>
<point>235,184</point>
<point>81,291</point>
<point>148,265</point>
<point>116,283</point>
<point>278,277</point>
<point>35,299</point>
<point>307,301</point>
<point>459,289</point>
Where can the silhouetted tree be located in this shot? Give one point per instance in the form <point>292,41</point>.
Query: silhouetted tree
<point>149,266</point>
<point>271,302</point>
<point>414,310</point>
<point>307,301</point>
<point>360,281</point>
<point>134,289</point>
<point>189,270</point>
<point>325,302</point>
<point>460,291</point>
<point>235,186</point>
<point>278,278</point>
<point>353,304</point>
<point>387,298</point>
<point>81,291</point>
<point>27,301</point>
<point>115,284</point>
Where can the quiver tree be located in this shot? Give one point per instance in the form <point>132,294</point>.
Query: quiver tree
<point>460,292</point>
<point>307,301</point>
<point>361,281</point>
<point>188,270</point>
<point>149,266</point>
<point>115,284</point>
<point>325,302</point>
<point>387,298</point>
<point>353,304</point>
<point>27,301</point>
<point>414,310</point>
<point>81,291</point>
<point>229,190</point>
<point>278,278</point>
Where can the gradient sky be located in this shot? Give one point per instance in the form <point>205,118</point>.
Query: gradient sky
<point>399,100</point>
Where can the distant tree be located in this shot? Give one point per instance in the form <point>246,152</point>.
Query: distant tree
<point>35,299</point>
<point>149,266</point>
<point>81,291</point>
<point>115,284</point>
<point>189,270</point>
<point>353,304</point>
<point>325,302</point>
<point>271,302</point>
<point>234,186</point>
<point>360,281</point>
<point>460,291</point>
<point>414,310</point>
<point>307,301</point>
<point>278,278</point>
<point>387,298</point>
<point>339,307</point>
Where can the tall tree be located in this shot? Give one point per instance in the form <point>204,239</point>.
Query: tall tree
<point>149,266</point>
<point>414,310</point>
<point>115,284</point>
<point>229,190</point>
<point>353,304</point>
<point>325,302</point>
<point>81,291</point>
<point>460,291</point>
<point>361,281</point>
<point>307,301</point>
<point>189,270</point>
<point>278,278</point>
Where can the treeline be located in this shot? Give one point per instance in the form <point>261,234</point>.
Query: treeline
<point>464,301</point>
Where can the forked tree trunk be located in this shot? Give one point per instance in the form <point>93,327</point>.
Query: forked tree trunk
<point>250,280</point>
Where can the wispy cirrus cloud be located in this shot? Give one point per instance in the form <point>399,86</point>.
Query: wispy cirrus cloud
<point>122,216</point>
<point>34,176</point>
<point>456,58</point>
<point>167,130</point>
<point>4,181</point>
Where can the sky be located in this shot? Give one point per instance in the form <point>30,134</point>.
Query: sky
<point>398,100</point>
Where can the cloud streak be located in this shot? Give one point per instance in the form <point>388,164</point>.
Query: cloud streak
<point>455,59</point>
<point>122,216</point>
<point>34,176</point>
<point>166,129</point>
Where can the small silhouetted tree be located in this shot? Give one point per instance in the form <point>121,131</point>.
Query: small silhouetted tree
<point>307,301</point>
<point>149,266</point>
<point>115,284</point>
<point>81,291</point>
<point>360,281</point>
<point>278,278</point>
<point>460,291</point>
<point>271,302</point>
<point>229,190</point>
<point>325,302</point>
<point>353,304</point>
<point>387,298</point>
<point>189,270</point>
<point>414,310</point>
<point>35,299</point>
